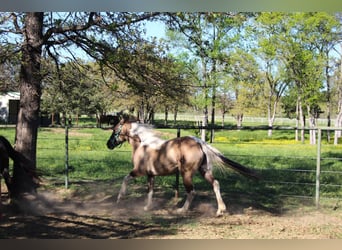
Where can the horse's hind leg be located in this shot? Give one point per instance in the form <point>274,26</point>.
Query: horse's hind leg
<point>4,163</point>
<point>187,181</point>
<point>207,174</point>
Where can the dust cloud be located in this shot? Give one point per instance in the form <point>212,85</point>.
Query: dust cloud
<point>88,199</point>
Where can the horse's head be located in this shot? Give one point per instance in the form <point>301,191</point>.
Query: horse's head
<point>120,135</point>
<point>121,132</point>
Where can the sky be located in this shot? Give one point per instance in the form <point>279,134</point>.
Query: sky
<point>155,29</point>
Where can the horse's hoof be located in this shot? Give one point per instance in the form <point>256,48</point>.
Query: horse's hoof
<point>181,211</point>
<point>220,213</point>
<point>147,208</point>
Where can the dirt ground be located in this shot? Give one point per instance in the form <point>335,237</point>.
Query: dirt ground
<point>89,210</point>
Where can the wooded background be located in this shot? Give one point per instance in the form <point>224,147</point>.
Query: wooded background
<point>268,64</point>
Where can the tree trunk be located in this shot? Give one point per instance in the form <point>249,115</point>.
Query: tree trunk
<point>312,125</point>
<point>30,93</point>
<point>302,122</point>
<point>297,120</point>
<point>328,100</point>
<point>239,119</point>
<point>166,112</point>
<point>175,114</point>
<point>213,107</point>
<point>204,123</point>
<point>300,118</point>
<point>271,115</point>
<point>206,97</point>
<point>338,121</point>
<point>338,124</point>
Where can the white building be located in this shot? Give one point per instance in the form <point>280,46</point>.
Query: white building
<point>9,107</point>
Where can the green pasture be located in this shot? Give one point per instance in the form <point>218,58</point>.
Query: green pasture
<point>287,167</point>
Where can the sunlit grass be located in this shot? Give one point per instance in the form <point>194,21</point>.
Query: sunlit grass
<point>287,166</point>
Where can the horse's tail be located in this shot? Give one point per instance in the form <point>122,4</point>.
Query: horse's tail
<point>215,157</point>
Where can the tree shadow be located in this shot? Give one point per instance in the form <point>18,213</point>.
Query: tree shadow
<point>89,210</point>
<point>74,226</point>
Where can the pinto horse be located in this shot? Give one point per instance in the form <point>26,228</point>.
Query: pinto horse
<point>153,156</point>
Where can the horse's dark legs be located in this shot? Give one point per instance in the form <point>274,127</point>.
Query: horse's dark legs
<point>208,176</point>
<point>150,179</point>
<point>8,179</point>
<point>4,163</point>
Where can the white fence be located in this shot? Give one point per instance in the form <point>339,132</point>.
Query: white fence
<point>279,121</point>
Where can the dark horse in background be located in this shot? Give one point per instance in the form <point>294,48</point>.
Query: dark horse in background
<point>107,119</point>
<point>6,152</point>
<point>20,163</point>
<point>153,156</point>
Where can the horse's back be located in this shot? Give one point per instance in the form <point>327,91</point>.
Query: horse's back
<point>183,153</point>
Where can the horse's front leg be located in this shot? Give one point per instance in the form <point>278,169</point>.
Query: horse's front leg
<point>7,178</point>
<point>124,187</point>
<point>150,179</point>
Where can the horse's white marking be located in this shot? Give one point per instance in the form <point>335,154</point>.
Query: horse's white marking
<point>147,136</point>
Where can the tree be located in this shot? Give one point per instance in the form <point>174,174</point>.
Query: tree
<point>73,90</point>
<point>30,83</point>
<point>268,33</point>
<point>246,84</point>
<point>325,32</point>
<point>153,75</point>
<point>207,37</point>
<point>9,66</point>
<point>32,33</point>
<point>337,89</point>
<point>305,63</point>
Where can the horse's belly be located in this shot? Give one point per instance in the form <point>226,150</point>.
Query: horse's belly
<point>161,169</point>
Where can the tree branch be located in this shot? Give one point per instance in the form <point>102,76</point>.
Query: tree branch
<point>74,28</point>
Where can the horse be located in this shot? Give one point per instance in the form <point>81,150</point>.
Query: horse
<point>107,119</point>
<point>153,156</point>
<point>19,161</point>
<point>6,152</point>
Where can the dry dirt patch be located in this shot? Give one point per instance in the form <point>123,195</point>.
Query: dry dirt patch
<point>90,211</point>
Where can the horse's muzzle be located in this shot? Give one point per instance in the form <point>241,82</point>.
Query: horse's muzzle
<point>113,143</point>
<point>110,145</point>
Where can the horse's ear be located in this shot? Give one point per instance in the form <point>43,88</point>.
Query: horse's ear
<point>123,117</point>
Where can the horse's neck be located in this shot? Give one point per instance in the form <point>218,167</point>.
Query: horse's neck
<point>135,142</point>
<point>147,136</point>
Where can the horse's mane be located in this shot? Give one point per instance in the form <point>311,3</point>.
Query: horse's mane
<point>147,134</point>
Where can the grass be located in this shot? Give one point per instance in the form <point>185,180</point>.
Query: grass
<point>287,167</point>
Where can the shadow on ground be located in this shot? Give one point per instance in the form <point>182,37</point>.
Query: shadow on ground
<point>89,210</point>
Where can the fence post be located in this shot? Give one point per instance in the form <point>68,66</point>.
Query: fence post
<point>178,132</point>
<point>318,167</point>
<point>66,155</point>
